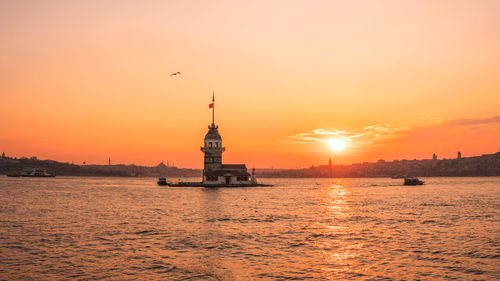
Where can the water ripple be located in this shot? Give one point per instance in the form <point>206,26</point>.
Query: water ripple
<point>72,228</point>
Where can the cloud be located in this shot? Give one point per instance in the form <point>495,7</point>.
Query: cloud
<point>322,135</point>
<point>386,134</point>
<point>456,133</point>
<point>384,129</point>
<point>468,121</point>
<point>455,125</point>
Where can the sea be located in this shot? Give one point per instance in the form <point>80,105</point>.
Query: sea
<point>95,228</point>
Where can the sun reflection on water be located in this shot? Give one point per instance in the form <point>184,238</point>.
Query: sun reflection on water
<point>339,252</point>
<point>336,201</point>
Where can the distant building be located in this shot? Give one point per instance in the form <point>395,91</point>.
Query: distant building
<point>109,161</point>
<point>3,154</point>
<point>434,156</point>
<point>214,172</point>
<point>459,155</point>
<point>253,175</point>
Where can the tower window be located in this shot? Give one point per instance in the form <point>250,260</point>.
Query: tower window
<point>211,178</point>
<point>210,144</point>
<point>216,144</point>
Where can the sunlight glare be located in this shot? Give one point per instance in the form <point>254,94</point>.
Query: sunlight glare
<point>337,144</point>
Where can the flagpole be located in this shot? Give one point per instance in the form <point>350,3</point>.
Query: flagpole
<point>213,109</point>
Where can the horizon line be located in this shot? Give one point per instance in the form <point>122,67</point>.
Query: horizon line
<point>268,168</point>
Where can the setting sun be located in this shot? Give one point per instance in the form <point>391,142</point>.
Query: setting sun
<point>337,144</point>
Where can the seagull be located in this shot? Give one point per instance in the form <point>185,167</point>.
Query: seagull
<point>175,73</point>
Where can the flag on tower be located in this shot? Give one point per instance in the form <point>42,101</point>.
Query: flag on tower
<point>211,105</point>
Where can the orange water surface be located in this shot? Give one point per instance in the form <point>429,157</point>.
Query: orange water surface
<point>78,228</point>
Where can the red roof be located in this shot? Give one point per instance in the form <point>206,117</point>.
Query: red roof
<point>226,173</point>
<point>234,167</point>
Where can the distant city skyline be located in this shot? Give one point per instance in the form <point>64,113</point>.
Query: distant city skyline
<point>477,165</point>
<point>296,83</point>
<point>328,163</point>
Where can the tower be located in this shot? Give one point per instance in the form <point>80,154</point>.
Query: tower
<point>254,179</point>
<point>212,145</point>
<point>330,168</point>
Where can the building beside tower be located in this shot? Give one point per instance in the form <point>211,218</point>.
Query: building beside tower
<point>214,172</point>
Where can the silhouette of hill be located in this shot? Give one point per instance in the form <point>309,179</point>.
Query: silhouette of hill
<point>483,165</point>
<point>8,164</point>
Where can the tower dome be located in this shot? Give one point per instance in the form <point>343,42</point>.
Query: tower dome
<point>213,138</point>
<point>213,134</point>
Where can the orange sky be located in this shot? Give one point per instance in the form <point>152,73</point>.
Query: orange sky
<point>395,79</point>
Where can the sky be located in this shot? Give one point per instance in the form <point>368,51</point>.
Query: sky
<point>87,80</point>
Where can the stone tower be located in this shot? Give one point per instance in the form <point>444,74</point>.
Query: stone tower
<point>330,168</point>
<point>212,145</point>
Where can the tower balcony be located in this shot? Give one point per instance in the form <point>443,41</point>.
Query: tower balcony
<point>212,149</point>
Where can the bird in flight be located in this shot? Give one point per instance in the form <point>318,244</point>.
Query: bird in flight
<point>175,73</point>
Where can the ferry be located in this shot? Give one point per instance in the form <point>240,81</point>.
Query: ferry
<point>32,173</point>
<point>413,181</point>
<point>162,181</point>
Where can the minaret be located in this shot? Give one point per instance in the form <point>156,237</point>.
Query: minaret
<point>212,145</point>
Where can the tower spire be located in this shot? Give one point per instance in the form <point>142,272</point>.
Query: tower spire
<point>213,109</point>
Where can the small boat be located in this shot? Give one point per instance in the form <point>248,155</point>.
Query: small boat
<point>412,181</point>
<point>32,173</point>
<point>162,181</point>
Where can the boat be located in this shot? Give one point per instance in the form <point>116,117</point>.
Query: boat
<point>162,181</point>
<point>413,181</point>
<point>32,173</point>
